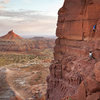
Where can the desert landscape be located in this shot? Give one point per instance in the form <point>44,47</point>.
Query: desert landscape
<point>46,68</point>
<point>24,66</point>
<point>12,42</point>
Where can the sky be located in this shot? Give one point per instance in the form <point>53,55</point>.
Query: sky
<point>29,17</point>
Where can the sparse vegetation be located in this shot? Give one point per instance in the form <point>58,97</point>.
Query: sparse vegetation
<point>27,72</point>
<point>13,58</point>
<point>6,59</point>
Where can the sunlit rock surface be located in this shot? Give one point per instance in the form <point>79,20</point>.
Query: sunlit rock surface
<point>73,75</point>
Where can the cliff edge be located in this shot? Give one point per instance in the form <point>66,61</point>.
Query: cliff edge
<point>75,71</point>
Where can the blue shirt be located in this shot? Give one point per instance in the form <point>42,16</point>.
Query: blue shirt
<point>94,27</point>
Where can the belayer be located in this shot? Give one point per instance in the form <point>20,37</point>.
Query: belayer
<point>91,55</point>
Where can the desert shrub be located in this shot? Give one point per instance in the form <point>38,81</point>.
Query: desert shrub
<point>11,58</point>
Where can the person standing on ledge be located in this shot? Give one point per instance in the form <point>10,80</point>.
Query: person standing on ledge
<point>91,55</point>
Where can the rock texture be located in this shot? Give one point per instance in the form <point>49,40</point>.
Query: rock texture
<point>73,75</point>
<point>11,35</point>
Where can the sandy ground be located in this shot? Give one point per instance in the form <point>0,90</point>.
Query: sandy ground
<point>25,81</point>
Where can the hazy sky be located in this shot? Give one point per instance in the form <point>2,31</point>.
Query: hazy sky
<point>29,17</point>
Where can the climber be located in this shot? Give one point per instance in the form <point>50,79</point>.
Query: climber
<point>91,55</point>
<point>94,28</point>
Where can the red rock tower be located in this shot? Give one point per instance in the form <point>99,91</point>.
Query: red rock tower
<point>11,36</point>
<point>73,75</point>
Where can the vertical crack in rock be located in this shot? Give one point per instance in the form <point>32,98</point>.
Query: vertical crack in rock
<point>73,74</point>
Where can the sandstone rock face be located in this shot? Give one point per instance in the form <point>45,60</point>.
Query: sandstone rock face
<point>73,75</point>
<point>11,35</point>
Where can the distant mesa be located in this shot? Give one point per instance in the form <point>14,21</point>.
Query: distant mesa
<point>11,36</point>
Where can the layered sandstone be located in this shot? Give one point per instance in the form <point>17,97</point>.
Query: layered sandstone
<point>25,45</point>
<point>73,75</point>
<point>12,42</point>
<point>11,36</point>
